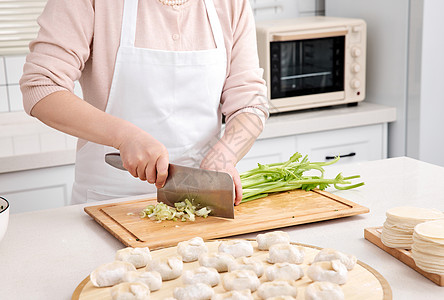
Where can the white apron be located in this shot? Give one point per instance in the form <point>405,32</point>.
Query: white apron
<point>173,95</point>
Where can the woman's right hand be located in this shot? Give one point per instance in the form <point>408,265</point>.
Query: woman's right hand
<point>144,156</point>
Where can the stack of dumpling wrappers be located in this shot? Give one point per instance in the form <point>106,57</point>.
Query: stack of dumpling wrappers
<point>398,228</point>
<point>428,246</point>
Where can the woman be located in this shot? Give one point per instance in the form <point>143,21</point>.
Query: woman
<point>156,76</point>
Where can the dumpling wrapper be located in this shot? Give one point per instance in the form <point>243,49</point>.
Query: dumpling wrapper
<point>332,271</point>
<point>130,291</point>
<point>433,230</point>
<point>266,240</point>
<point>191,249</point>
<point>428,246</point>
<point>324,291</point>
<point>409,213</point>
<point>198,291</point>
<point>169,268</point>
<point>400,223</point>
<point>110,274</point>
<point>139,257</point>
<point>277,288</point>
<point>208,276</point>
<point>151,279</point>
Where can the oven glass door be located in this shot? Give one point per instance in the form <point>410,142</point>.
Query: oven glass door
<point>307,67</point>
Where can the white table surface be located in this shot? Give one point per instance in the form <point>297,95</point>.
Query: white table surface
<point>46,254</point>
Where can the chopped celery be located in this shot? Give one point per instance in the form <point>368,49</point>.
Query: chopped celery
<point>183,211</point>
<point>289,175</point>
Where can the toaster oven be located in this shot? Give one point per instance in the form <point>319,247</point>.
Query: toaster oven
<point>313,61</point>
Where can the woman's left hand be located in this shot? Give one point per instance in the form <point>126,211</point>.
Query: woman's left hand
<point>222,161</point>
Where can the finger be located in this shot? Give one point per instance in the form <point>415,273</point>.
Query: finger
<point>150,171</point>
<point>162,170</point>
<point>237,188</point>
<point>141,171</point>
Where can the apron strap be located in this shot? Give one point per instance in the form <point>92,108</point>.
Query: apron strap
<point>215,24</point>
<point>129,21</point>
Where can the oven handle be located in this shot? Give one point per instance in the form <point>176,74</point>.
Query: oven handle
<point>293,36</point>
<point>341,156</point>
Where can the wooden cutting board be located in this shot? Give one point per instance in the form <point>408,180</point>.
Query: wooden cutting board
<point>275,211</point>
<point>363,281</point>
<point>373,235</point>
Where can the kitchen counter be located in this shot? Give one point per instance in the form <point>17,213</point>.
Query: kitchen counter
<point>46,254</point>
<point>29,144</point>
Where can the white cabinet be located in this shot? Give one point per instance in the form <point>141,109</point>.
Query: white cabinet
<point>37,189</point>
<point>355,144</point>
<point>351,144</point>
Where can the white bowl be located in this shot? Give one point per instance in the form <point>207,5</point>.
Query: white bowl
<point>4,216</point>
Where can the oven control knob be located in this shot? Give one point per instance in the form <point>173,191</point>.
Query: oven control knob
<point>355,83</point>
<point>355,68</point>
<point>356,51</point>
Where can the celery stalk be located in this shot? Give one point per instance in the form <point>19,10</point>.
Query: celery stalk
<point>289,175</point>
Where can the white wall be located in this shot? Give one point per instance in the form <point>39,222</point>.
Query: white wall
<point>431,129</point>
<point>387,56</point>
<point>286,9</point>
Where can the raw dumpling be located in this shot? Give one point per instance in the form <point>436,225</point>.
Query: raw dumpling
<point>349,261</point>
<point>169,268</point>
<point>234,295</point>
<point>237,248</point>
<point>139,257</point>
<point>111,273</point>
<point>277,288</point>
<point>240,280</point>
<point>198,291</point>
<point>280,253</point>
<point>284,271</point>
<point>332,271</point>
<point>218,261</point>
<point>151,279</point>
<point>209,276</point>
<point>282,298</point>
<point>266,240</point>
<point>324,291</point>
<point>247,263</point>
<point>130,291</point>
<point>191,249</point>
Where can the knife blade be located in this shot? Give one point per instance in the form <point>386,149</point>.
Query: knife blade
<point>211,189</point>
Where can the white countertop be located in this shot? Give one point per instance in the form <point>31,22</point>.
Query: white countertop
<point>322,119</point>
<point>46,254</point>
<point>29,144</point>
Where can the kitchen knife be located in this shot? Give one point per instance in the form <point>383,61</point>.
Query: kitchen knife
<point>212,189</point>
